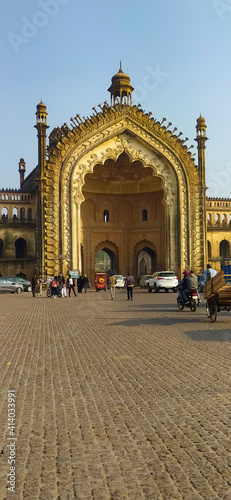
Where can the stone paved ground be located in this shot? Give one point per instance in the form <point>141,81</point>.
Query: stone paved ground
<point>115,400</point>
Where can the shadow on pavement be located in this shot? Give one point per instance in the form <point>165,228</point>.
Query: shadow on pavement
<point>210,336</point>
<point>170,321</point>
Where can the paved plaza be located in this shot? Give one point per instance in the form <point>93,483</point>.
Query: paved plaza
<point>114,400</point>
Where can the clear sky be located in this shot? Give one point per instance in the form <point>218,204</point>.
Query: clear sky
<point>65,52</point>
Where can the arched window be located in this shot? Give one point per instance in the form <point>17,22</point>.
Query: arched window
<point>20,249</point>
<point>209,249</point>
<point>209,218</point>
<point>4,213</point>
<point>1,249</point>
<point>224,249</point>
<point>144,215</point>
<point>15,213</point>
<point>106,215</point>
<point>29,214</point>
<point>22,213</point>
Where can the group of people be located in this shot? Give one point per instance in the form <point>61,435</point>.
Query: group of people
<point>129,284</point>
<point>190,282</point>
<point>60,285</point>
<point>186,285</point>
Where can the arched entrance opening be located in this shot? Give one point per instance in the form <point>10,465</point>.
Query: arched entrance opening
<point>146,262</point>
<point>123,200</point>
<point>224,249</point>
<point>106,258</point>
<point>106,261</point>
<point>20,248</point>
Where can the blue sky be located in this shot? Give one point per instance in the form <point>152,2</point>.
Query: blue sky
<point>65,52</point>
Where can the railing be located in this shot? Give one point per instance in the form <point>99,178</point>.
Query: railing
<point>15,220</point>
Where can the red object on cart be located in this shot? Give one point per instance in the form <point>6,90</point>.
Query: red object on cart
<point>100,281</point>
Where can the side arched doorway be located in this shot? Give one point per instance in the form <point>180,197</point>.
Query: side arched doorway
<point>146,260</point>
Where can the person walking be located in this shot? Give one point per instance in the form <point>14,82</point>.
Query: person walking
<point>34,285</point>
<point>63,287</point>
<point>80,284</point>
<point>85,283</point>
<point>40,286</point>
<point>54,286</point>
<point>37,288</point>
<point>71,285</point>
<point>112,284</point>
<point>129,283</point>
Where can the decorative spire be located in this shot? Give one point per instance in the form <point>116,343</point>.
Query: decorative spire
<point>121,89</point>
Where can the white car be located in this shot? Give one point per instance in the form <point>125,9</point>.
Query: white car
<point>163,280</point>
<point>143,281</point>
<point>120,282</point>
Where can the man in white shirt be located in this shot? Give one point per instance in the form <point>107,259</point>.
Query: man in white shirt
<point>209,273</point>
<point>71,285</point>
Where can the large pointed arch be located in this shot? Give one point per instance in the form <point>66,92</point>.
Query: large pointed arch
<point>140,141</point>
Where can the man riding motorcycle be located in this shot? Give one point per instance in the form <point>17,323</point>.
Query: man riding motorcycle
<point>192,284</point>
<point>183,285</point>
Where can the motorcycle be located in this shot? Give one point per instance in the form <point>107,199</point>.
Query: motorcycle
<point>58,291</point>
<point>191,302</point>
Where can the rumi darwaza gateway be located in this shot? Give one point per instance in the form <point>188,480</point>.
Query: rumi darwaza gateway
<point>119,181</point>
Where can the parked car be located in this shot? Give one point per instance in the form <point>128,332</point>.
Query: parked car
<point>16,279</point>
<point>120,281</point>
<point>163,280</point>
<point>143,281</point>
<point>201,282</point>
<point>9,286</point>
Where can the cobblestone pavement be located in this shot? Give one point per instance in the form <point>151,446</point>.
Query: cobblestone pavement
<point>115,400</point>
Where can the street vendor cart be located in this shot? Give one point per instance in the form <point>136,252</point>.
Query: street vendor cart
<point>217,292</point>
<point>100,281</point>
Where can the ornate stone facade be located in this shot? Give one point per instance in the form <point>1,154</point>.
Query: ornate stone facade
<point>121,182</point>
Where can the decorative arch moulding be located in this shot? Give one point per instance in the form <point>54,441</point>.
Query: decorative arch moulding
<point>80,159</point>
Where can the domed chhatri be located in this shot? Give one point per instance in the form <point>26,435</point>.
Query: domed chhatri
<point>121,88</point>
<point>201,127</point>
<point>201,121</point>
<point>41,113</point>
